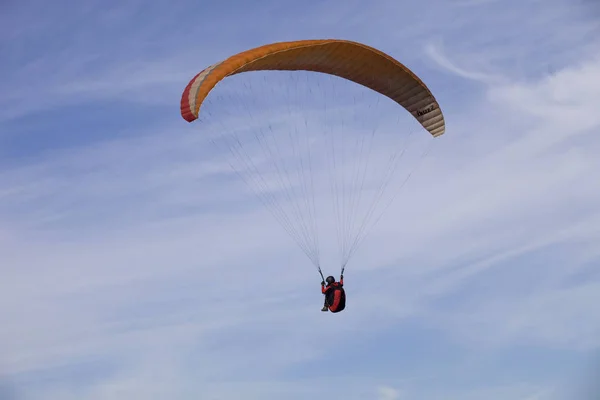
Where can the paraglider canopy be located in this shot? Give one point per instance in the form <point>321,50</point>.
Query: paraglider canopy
<point>312,130</point>
<point>354,61</point>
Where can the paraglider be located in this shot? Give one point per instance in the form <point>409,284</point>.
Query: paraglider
<point>339,78</point>
<point>335,295</point>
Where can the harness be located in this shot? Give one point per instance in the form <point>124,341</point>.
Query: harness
<point>331,293</point>
<point>335,298</point>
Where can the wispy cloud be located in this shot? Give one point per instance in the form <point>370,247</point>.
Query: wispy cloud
<point>436,52</point>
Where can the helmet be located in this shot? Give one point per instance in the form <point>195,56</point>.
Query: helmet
<point>330,280</point>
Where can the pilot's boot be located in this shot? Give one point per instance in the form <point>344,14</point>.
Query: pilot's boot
<point>324,308</point>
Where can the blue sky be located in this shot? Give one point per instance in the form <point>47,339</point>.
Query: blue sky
<point>482,281</point>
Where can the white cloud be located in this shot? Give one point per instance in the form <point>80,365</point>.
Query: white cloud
<point>388,393</point>
<point>136,264</point>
